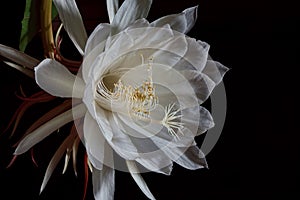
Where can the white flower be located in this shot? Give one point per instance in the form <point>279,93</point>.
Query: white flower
<point>141,85</point>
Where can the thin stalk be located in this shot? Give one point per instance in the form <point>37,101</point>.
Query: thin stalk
<point>46,28</point>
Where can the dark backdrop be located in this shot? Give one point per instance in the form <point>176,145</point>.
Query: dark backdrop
<point>257,155</point>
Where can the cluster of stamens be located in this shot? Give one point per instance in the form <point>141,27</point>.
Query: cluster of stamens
<point>140,101</point>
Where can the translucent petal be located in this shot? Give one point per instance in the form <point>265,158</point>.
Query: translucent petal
<point>139,24</point>
<point>121,142</point>
<point>112,8</point>
<point>215,71</point>
<point>129,12</point>
<point>131,41</point>
<point>18,57</point>
<point>139,179</point>
<point>55,79</point>
<point>102,118</point>
<point>192,158</point>
<point>93,58</point>
<point>170,82</point>
<point>22,69</point>
<point>204,83</point>
<point>198,119</point>
<point>206,120</point>
<point>72,21</point>
<point>103,183</point>
<point>56,158</point>
<point>46,129</point>
<point>118,140</point>
<point>149,154</point>
<point>100,34</point>
<point>181,22</point>
<point>94,141</point>
<point>168,52</point>
<point>196,56</point>
<point>156,162</point>
<point>158,134</point>
<point>201,84</point>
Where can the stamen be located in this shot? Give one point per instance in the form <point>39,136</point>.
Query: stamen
<point>171,120</point>
<point>139,100</point>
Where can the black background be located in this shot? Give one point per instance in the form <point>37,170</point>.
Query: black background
<point>258,153</point>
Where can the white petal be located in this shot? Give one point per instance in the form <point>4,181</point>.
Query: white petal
<point>130,11</point>
<point>156,162</point>
<point>150,155</point>
<point>94,141</point>
<point>121,141</point>
<point>193,158</point>
<point>160,136</point>
<point>112,133</point>
<point>72,21</point>
<point>102,118</point>
<point>100,33</point>
<point>93,58</point>
<point>146,49</point>
<point>138,178</point>
<point>182,22</point>
<point>139,24</point>
<point>94,47</point>
<point>112,8</point>
<point>18,57</point>
<point>215,71</point>
<point>200,82</point>
<point>132,40</point>
<point>204,83</point>
<point>103,183</point>
<point>24,70</point>
<point>196,56</point>
<point>191,17</point>
<point>206,120</point>
<point>175,84</point>
<point>56,158</point>
<point>197,119</point>
<point>177,47</point>
<point>151,37</point>
<point>46,129</point>
<point>57,80</point>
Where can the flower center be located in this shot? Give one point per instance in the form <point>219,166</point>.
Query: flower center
<point>139,102</point>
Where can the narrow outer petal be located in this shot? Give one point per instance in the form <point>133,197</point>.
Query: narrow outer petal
<point>56,158</point>
<point>72,21</point>
<point>182,22</point>
<point>193,158</point>
<point>18,57</point>
<point>27,72</point>
<point>103,183</point>
<point>215,71</point>
<point>46,129</point>
<point>139,179</point>
<point>94,141</point>
<point>112,8</point>
<point>57,80</point>
<point>100,33</point>
<point>129,12</point>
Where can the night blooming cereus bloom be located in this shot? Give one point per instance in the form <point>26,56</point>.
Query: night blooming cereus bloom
<point>138,91</point>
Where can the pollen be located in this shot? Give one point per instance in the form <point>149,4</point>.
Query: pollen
<point>139,100</point>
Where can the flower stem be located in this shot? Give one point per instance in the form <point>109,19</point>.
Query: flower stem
<point>46,28</point>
